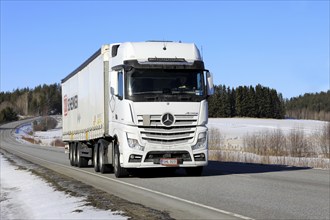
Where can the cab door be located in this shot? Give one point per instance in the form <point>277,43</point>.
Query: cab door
<point>120,108</point>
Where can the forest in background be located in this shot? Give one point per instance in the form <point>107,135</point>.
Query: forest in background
<point>246,101</point>
<point>40,101</point>
<point>309,106</point>
<point>243,101</point>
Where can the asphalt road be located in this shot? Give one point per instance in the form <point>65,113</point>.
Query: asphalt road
<point>225,191</point>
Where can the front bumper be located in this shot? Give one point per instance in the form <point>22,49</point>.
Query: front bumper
<point>152,157</point>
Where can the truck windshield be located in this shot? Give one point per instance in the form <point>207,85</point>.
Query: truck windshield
<point>165,85</point>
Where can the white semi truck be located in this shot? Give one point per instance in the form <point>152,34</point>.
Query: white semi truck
<point>138,105</point>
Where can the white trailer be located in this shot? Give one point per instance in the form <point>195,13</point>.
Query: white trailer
<point>138,105</point>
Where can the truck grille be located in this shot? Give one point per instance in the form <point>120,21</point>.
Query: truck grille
<point>181,131</point>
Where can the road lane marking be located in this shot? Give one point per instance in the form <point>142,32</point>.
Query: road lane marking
<point>142,188</point>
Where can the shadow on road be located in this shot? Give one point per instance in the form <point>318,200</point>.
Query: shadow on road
<point>228,168</point>
<point>215,168</point>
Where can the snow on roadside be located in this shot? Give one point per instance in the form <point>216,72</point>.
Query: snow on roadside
<point>25,196</point>
<point>45,138</point>
<point>48,137</point>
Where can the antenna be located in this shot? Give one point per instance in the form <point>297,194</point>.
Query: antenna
<point>164,48</point>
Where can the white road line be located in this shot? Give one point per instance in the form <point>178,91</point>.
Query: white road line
<point>142,188</point>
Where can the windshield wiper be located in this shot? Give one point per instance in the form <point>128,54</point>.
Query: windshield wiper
<point>145,93</point>
<point>184,97</point>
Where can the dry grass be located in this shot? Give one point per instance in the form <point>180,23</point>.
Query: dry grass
<point>323,139</point>
<point>215,139</point>
<point>298,144</point>
<point>58,143</point>
<point>274,147</point>
<point>31,140</point>
<point>294,144</point>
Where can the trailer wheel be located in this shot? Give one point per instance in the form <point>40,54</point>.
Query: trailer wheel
<point>118,170</point>
<point>194,171</point>
<point>104,168</point>
<point>81,161</point>
<point>74,154</point>
<point>71,154</point>
<point>96,158</point>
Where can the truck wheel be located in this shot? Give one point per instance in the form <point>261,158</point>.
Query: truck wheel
<point>74,154</point>
<point>81,161</point>
<point>71,154</point>
<point>119,171</point>
<point>194,171</point>
<point>104,168</point>
<point>96,158</point>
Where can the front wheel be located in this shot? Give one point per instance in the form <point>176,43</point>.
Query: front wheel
<point>118,170</point>
<point>104,168</point>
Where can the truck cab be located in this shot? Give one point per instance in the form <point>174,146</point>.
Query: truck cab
<point>158,107</point>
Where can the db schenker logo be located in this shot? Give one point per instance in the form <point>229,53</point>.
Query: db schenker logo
<point>70,104</point>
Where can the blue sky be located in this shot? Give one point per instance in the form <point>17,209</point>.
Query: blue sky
<point>279,44</point>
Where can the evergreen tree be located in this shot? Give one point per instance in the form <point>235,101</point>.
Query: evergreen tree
<point>213,102</point>
<point>244,101</point>
<point>224,102</point>
<point>232,100</point>
<point>251,102</point>
<point>8,114</point>
<point>239,102</point>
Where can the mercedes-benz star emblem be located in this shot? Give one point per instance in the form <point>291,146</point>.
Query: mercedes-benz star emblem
<point>167,119</point>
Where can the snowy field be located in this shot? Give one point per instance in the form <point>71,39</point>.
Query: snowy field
<point>26,196</point>
<point>234,129</point>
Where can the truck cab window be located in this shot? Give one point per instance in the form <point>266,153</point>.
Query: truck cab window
<point>120,85</point>
<point>165,85</point>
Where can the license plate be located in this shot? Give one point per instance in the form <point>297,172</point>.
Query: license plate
<point>169,161</point>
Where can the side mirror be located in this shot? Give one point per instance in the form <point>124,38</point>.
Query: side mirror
<point>209,83</point>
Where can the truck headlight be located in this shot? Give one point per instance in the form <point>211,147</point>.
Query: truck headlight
<point>133,143</point>
<point>201,142</point>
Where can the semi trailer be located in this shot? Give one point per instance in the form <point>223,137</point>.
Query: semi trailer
<point>138,105</point>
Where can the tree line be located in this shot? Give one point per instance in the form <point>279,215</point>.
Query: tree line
<point>243,101</point>
<point>246,101</point>
<point>310,106</point>
<point>42,100</point>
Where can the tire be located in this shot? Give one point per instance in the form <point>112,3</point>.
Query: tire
<point>71,145</point>
<point>194,171</point>
<point>96,158</point>
<point>74,154</point>
<point>118,170</point>
<point>81,161</point>
<point>104,168</point>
